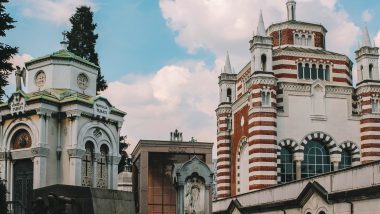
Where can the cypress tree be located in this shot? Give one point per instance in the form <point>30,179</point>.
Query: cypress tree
<point>82,40</point>
<point>6,51</point>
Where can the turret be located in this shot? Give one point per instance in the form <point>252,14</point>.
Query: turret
<point>367,57</point>
<point>227,93</point>
<point>291,6</point>
<point>261,49</point>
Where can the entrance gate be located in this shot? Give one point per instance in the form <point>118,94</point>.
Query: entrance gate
<point>23,185</point>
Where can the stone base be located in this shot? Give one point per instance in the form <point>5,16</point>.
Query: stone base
<point>82,200</point>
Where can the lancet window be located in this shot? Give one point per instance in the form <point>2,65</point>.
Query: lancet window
<point>265,97</point>
<point>88,165</point>
<point>102,168</point>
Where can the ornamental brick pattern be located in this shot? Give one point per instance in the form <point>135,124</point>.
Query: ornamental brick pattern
<point>223,165</point>
<point>262,135</point>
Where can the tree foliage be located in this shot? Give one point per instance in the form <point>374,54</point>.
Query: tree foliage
<point>6,51</point>
<point>82,40</point>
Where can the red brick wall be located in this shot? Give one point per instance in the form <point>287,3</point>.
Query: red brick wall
<point>287,38</point>
<point>239,132</point>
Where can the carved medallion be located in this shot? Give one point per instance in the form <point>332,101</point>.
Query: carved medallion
<point>82,81</point>
<point>40,79</point>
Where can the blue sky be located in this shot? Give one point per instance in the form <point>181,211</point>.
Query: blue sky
<point>162,57</point>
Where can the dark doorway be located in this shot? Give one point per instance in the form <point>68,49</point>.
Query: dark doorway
<point>23,185</point>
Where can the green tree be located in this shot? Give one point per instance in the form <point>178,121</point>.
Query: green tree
<point>82,40</point>
<point>6,51</point>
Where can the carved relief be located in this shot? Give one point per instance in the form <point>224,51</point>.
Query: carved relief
<point>82,81</point>
<point>194,195</point>
<point>40,79</point>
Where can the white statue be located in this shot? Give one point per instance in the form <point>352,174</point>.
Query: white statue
<point>20,74</point>
<point>194,196</point>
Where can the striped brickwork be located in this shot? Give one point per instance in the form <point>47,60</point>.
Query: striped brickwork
<point>223,165</point>
<point>262,136</point>
<point>285,68</point>
<point>369,123</point>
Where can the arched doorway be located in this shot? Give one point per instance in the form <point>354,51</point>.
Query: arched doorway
<point>23,184</point>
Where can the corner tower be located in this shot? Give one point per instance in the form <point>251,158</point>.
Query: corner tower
<point>368,91</point>
<point>262,113</point>
<point>227,94</point>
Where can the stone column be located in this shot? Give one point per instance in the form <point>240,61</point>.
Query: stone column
<point>335,160</point>
<point>180,199</point>
<point>298,158</point>
<point>75,168</point>
<point>39,166</point>
<point>143,182</point>
<point>113,172</point>
<point>2,164</point>
<point>42,129</point>
<point>95,170</point>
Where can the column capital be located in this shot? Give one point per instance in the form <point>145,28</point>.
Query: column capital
<point>39,151</point>
<point>76,153</point>
<point>73,114</point>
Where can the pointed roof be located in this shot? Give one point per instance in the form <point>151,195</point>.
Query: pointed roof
<point>260,26</point>
<point>227,65</point>
<point>366,39</point>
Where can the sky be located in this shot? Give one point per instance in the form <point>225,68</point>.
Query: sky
<point>161,58</point>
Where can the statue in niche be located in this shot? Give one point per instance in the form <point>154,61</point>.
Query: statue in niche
<point>194,195</point>
<point>20,76</point>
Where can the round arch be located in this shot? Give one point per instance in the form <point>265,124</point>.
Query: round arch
<point>288,143</point>
<point>353,149</point>
<point>322,137</point>
<point>242,148</point>
<point>16,125</point>
<point>112,143</point>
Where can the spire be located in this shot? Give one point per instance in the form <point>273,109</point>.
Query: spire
<point>366,39</point>
<point>260,26</point>
<point>227,65</point>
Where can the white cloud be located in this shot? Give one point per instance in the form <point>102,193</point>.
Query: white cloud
<point>367,16</point>
<point>183,96</point>
<point>221,25</point>
<point>55,11</point>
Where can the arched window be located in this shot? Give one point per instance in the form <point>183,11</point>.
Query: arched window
<point>313,72</point>
<point>102,168</point>
<point>327,73</point>
<point>361,72</point>
<point>243,168</point>
<point>309,41</point>
<point>375,105</point>
<point>320,72</point>
<point>265,98</point>
<point>229,92</point>
<point>300,71</point>
<point>263,62</point>
<point>303,40</point>
<point>322,212</point>
<point>88,165</point>
<point>296,40</point>
<point>346,160</point>
<point>370,71</point>
<point>316,159</point>
<point>307,71</point>
<point>286,166</point>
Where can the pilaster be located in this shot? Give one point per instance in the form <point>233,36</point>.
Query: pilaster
<point>39,155</point>
<point>75,158</point>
